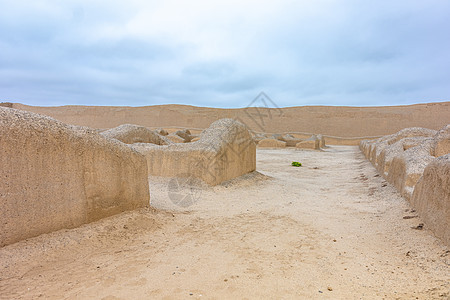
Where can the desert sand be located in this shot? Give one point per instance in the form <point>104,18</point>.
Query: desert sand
<point>332,121</point>
<point>331,229</point>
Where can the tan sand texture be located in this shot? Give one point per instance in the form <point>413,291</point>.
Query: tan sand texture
<point>330,229</point>
<point>224,151</point>
<point>54,175</point>
<point>403,157</point>
<point>337,121</point>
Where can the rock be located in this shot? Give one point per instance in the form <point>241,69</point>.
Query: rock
<point>55,176</point>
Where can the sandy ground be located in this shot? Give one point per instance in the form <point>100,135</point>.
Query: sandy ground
<point>332,229</point>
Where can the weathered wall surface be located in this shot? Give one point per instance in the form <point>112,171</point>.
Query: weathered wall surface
<point>54,175</point>
<point>271,143</point>
<point>224,151</point>
<point>313,143</point>
<point>338,121</point>
<point>416,162</point>
<point>431,197</point>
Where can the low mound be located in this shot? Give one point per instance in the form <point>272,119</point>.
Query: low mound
<point>271,143</point>
<point>413,156</point>
<point>224,151</point>
<point>130,134</point>
<point>58,176</point>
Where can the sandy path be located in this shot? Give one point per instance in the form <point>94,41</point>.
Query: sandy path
<point>330,229</point>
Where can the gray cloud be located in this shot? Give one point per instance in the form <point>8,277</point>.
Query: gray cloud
<point>300,53</point>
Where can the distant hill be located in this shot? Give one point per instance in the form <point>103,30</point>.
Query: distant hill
<point>342,121</point>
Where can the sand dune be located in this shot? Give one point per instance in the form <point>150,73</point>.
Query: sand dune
<point>338,121</point>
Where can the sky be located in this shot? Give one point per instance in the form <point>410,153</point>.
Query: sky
<point>224,53</point>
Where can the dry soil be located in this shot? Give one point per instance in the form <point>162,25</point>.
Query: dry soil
<point>331,229</point>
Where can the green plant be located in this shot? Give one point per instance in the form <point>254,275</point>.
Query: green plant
<point>296,164</point>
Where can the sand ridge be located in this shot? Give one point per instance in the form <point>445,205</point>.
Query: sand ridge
<point>337,121</point>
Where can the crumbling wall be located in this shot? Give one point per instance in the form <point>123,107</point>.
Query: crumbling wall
<point>130,134</point>
<point>54,176</point>
<point>416,162</point>
<point>431,197</point>
<point>271,143</point>
<point>224,151</point>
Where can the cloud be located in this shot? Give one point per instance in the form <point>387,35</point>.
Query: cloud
<point>223,53</point>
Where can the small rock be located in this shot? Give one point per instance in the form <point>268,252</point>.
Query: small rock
<point>409,217</point>
<point>329,288</point>
<point>418,227</point>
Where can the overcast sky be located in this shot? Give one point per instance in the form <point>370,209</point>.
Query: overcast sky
<point>224,53</point>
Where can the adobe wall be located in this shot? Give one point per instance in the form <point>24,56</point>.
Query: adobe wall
<point>54,176</point>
